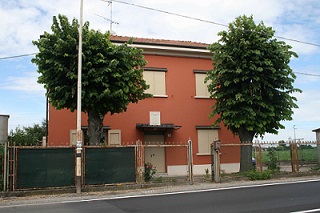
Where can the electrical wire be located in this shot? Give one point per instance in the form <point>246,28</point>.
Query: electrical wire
<point>179,15</point>
<point>202,20</point>
<point>166,12</point>
<point>17,56</point>
<point>302,73</point>
<point>23,55</point>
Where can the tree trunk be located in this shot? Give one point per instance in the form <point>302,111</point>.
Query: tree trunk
<point>245,150</point>
<point>95,124</point>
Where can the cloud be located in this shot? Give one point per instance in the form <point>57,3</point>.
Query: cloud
<point>305,118</point>
<point>26,83</point>
<point>308,106</point>
<point>26,20</point>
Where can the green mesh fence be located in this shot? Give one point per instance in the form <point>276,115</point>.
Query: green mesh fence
<point>109,165</point>
<point>39,168</point>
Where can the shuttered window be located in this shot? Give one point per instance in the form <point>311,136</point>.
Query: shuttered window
<point>156,79</point>
<point>205,138</point>
<point>201,86</point>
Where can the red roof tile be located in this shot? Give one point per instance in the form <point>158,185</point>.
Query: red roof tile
<point>116,38</point>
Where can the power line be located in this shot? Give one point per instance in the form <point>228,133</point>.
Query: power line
<point>24,55</point>
<point>175,14</point>
<point>166,12</point>
<point>17,56</point>
<point>301,73</point>
<point>202,20</point>
<point>295,40</point>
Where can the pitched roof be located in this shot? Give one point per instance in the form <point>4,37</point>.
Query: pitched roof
<point>160,42</point>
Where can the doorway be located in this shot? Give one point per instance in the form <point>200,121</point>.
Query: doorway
<point>155,155</point>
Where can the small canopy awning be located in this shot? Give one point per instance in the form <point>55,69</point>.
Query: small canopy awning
<point>156,127</point>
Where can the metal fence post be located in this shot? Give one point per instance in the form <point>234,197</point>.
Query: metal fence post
<point>5,166</point>
<point>294,158</point>
<point>216,160</point>
<point>190,161</point>
<point>140,170</point>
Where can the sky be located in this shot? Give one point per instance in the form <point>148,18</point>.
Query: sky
<point>23,21</point>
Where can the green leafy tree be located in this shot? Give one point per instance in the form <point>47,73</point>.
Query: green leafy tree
<point>28,136</point>
<point>111,74</point>
<point>251,82</point>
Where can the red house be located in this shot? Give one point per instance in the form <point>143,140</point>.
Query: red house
<point>177,112</point>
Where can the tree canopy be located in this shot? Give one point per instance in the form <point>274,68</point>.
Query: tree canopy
<point>28,136</point>
<point>111,74</point>
<point>251,82</point>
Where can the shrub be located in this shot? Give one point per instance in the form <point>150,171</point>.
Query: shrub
<point>280,148</point>
<point>264,175</point>
<point>149,171</point>
<point>272,160</point>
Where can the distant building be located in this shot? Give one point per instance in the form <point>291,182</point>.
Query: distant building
<point>4,129</point>
<point>178,111</point>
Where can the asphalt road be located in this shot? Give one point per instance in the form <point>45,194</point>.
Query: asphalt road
<point>294,197</point>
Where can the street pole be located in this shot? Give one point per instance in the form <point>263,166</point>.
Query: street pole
<point>79,132</point>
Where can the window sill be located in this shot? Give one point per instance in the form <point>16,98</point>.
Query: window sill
<point>202,97</point>
<point>203,154</point>
<point>160,96</point>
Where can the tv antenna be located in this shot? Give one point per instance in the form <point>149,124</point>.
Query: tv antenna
<point>109,19</point>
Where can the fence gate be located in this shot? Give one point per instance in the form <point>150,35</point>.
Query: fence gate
<point>142,158</point>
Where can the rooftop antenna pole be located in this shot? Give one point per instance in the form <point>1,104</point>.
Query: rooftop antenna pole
<point>111,22</point>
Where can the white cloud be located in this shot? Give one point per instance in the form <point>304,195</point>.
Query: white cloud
<point>25,20</point>
<point>301,33</point>
<point>308,106</point>
<point>27,83</point>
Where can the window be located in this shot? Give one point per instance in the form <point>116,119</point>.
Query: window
<point>201,87</point>
<point>205,139</point>
<point>156,78</point>
<point>114,137</point>
<point>85,138</point>
<point>73,137</point>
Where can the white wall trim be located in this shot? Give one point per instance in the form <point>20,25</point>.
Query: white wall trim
<point>182,170</point>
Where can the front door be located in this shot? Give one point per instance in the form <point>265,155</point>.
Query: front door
<point>155,155</point>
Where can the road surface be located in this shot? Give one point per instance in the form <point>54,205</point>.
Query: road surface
<point>303,196</point>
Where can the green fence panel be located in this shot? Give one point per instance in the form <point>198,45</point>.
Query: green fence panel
<point>109,165</point>
<point>39,168</point>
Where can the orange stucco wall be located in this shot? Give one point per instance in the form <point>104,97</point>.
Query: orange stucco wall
<point>180,108</point>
